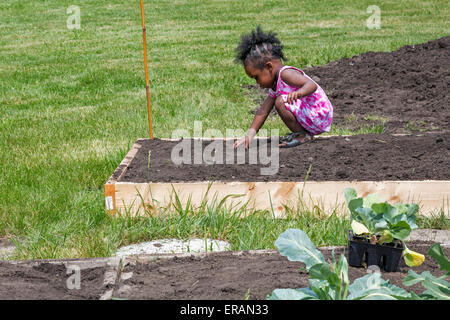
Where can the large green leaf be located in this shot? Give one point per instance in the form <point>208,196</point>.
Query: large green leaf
<point>412,222</point>
<point>342,269</point>
<point>322,289</point>
<point>414,296</point>
<point>366,216</point>
<point>358,227</point>
<point>368,282</point>
<point>380,224</point>
<point>411,211</point>
<point>292,294</point>
<point>408,209</point>
<point>296,246</point>
<point>350,194</point>
<point>412,258</point>
<point>371,199</point>
<point>390,214</point>
<point>413,278</point>
<point>352,206</point>
<point>402,212</point>
<point>372,220</point>
<point>400,230</point>
<point>437,253</point>
<point>322,271</point>
<point>379,207</point>
<point>386,237</point>
<point>437,288</point>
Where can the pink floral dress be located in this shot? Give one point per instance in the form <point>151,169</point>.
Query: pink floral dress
<point>314,112</point>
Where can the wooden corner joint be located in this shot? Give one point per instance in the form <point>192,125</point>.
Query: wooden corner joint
<point>110,198</point>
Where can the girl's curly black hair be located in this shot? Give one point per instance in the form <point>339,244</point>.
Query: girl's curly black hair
<point>259,47</point>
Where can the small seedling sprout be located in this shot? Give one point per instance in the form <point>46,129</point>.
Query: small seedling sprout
<point>247,294</point>
<point>148,159</point>
<point>148,164</point>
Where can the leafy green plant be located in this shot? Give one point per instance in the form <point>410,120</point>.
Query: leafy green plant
<point>382,222</point>
<point>437,288</point>
<point>329,280</point>
<point>247,295</point>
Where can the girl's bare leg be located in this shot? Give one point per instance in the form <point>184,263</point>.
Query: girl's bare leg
<point>290,121</point>
<point>288,117</point>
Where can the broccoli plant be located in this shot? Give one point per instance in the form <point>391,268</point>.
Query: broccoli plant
<point>437,288</point>
<point>382,222</point>
<point>329,280</point>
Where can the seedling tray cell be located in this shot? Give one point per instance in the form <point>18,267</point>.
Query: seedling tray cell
<point>386,257</point>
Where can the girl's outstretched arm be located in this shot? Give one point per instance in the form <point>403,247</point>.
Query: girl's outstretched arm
<point>296,79</point>
<point>260,117</point>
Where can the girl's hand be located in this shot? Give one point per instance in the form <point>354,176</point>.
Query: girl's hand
<point>294,96</point>
<point>250,135</point>
<point>245,140</point>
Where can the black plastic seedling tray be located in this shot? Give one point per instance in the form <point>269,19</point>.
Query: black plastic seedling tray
<point>386,257</point>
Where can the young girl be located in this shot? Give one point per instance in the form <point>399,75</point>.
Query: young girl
<point>301,103</point>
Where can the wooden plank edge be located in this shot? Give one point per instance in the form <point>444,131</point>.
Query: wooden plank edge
<point>284,191</point>
<point>110,198</point>
<point>266,138</point>
<point>123,166</point>
<point>283,181</point>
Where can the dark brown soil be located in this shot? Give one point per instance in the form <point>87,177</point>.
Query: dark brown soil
<point>373,157</point>
<point>46,281</point>
<point>229,276</point>
<point>407,89</point>
<point>218,276</point>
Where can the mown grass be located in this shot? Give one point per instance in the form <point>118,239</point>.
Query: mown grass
<point>73,102</point>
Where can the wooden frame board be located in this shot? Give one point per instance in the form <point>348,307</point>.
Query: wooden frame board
<point>146,198</point>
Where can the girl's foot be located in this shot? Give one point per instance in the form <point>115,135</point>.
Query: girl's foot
<point>290,136</point>
<point>296,140</point>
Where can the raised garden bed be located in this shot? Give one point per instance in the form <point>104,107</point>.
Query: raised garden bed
<point>400,168</point>
<point>225,275</point>
<point>233,275</point>
<point>405,91</point>
<point>217,275</point>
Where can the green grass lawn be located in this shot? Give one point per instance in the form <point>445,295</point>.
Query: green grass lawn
<point>73,103</point>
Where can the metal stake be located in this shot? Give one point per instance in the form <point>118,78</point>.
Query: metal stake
<point>146,72</point>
